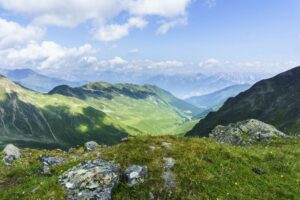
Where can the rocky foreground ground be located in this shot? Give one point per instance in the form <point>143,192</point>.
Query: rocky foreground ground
<point>259,162</point>
<point>157,168</point>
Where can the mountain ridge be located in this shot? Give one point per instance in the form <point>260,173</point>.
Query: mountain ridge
<point>272,101</point>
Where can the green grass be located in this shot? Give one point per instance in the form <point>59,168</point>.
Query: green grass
<point>204,170</point>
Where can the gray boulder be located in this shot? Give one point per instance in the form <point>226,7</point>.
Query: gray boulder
<point>50,161</point>
<point>136,174</point>
<point>91,145</point>
<point>245,132</point>
<point>11,153</point>
<point>91,180</point>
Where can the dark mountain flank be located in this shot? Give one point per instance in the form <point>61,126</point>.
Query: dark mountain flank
<point>275,101</point>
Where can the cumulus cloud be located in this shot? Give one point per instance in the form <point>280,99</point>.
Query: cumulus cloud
<point>13,34</point>
<point>117,61</point>
<point>45,55</point>
<point>70,13</point>
<point>116,31</point>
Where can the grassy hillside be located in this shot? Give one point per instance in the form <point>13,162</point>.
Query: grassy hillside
<point>274,101</point>
<point>28,118</point>
<point>204,169</point>
<point>143,109</point>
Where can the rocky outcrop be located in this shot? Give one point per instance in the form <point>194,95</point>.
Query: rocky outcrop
<point>245,132</point>
<point>11,153</point>
<point>91,180</point>
<point>136,174</point>
<point>50,161</point>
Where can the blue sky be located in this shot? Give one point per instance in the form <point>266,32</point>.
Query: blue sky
<point>222,34</point>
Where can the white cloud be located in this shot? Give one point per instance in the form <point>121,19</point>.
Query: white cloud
<point>44,56</point>
<point>67,13</point>
<point>13,34</point>
<point>71,13</point>
<point>116,31</point>
<point>167,25</point>
<point>165,8</point>
<point>209,63</point>
<point>117,61</point>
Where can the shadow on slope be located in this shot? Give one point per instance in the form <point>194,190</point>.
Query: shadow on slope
<point>54,124</point>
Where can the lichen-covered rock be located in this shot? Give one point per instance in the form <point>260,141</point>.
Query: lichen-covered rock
<point>169,179</point>
<point>11,153</point>
<point>245,132</point>
<point>135,174</point>
<point>169,162</point>
<point>50,161</point>
<point>91,180</point>
<point>91,145</point>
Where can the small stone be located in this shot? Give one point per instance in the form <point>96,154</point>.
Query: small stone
<point>50,161</point>
<point>152,148</point>
<point>168,177</point>
<point>11,153</point>
<point>72,150</point>
<point>258,171</point>
<point>91,145</point>
<point>124,139</point>
<point>166,145</point>
<point>8,160</point>
<point>135,174</point>
<point>169,162</point>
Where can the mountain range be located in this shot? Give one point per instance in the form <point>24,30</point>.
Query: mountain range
<point>36,81</point>
<point>180,85</point>
<point>216,99</point>
<point>102,112</point>
<point>274,101</point>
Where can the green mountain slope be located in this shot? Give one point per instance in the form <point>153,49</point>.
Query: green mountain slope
<point>274,101</point>
<point>143,109</point>
<point>32,119</point>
